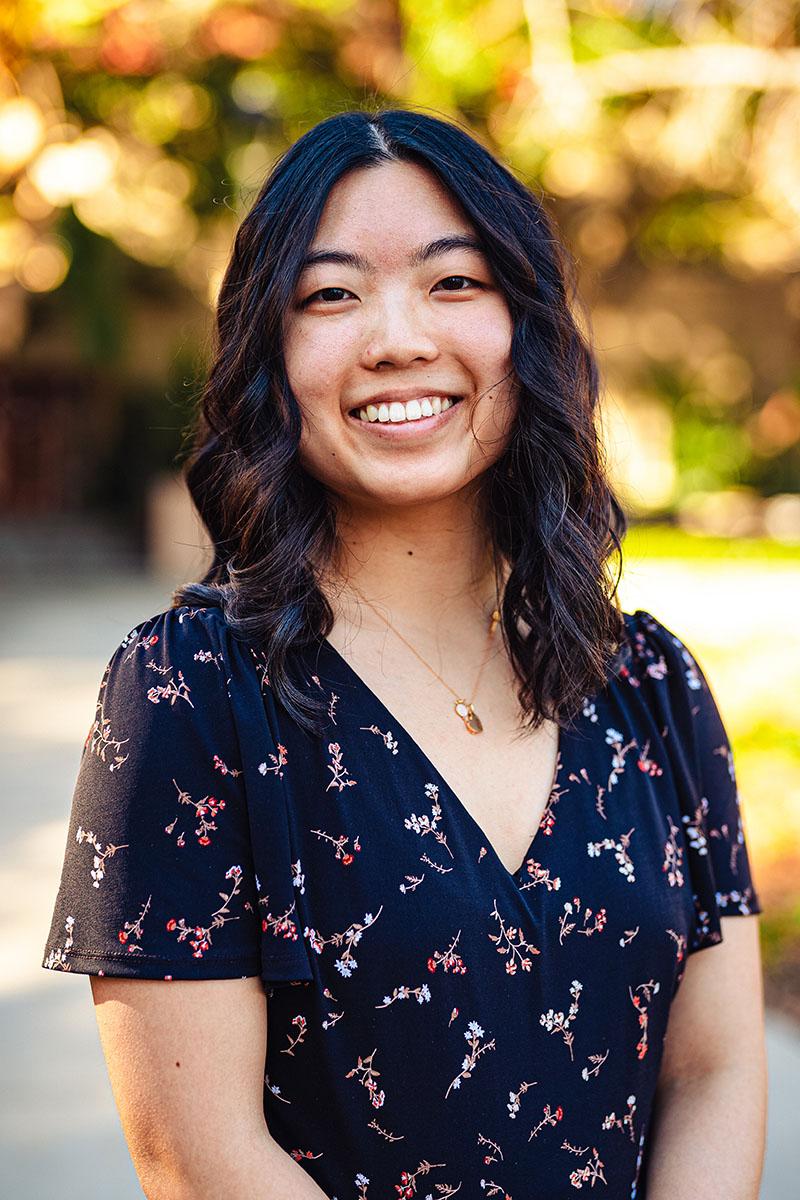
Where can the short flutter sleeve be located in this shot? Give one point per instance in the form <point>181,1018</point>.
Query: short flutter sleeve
<point>699,751</point>
<point>178,858</point>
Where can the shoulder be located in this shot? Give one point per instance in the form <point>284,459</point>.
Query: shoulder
<point>169,661</point>
<point>183,624</point>
<point>173,637</point>
<point>674,689</point>
<point>654,653</point>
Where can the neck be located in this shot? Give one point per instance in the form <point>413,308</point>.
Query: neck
<point>418,566</point>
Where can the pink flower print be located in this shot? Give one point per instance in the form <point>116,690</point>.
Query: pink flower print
<point>615,738</point>
<point>339,843</point>
<point>620,848</point>
<point>448,959</point>
<point>346,963</point>
<point>338,769</point>
<point>422,994</point>
<point>407,1187</point>
<point>510,941</point>
<point>673,857</point>
<point>204,809</point>
<point>567,925</point>
<point>100,739</point>
<point>223,768</point>
<point>389,740</point>
<point>57,959</point>
<point>680,944</point>
<point>691,673</point>
<point>612,1121</point>
<point>301,1025</point>
<point>696,826</point>
<point>513,1104</point>
<point>279,761</point>
<point>366,1076</point>
<point>170,691</point>
<point>540,875</point>
<point>588,1174</point>
<point>99,862</point>
<point>424,825</point>
<point>648,765</point>
<point>473,1033</point>
<point>641,1003</point>
<point>134,928</point>
<point>597,1061</point>
<point>556,1022</point>
<point>282,926</point>
<point>299,1155</point>
<point>202,939</point>
<point>551,1117</point>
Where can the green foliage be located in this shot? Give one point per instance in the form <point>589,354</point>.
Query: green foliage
<point>205,98</point>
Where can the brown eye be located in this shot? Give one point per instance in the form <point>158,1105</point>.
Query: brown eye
<point>321,291</point>
<point>472,282</point>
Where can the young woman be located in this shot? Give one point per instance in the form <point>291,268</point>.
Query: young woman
<point>398,782</point>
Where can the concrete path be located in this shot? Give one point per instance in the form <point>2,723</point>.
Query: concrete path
<point>59,1133</point>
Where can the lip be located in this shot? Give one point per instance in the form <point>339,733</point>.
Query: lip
<point>402,430</point>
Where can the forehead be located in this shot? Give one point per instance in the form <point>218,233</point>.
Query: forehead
<point>391,215</point>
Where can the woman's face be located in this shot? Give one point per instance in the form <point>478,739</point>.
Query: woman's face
<point>386,317</point>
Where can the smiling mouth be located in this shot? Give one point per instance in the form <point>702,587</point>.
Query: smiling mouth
<point>410,412</point>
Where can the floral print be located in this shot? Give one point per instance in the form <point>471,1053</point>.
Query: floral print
<point>506,1028</point>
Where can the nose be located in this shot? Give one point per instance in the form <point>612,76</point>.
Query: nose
<point>399,335</point>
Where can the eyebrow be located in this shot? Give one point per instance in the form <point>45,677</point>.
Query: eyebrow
<point>422,254</point>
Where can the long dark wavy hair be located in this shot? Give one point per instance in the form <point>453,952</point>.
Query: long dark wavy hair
<point>551,515</point>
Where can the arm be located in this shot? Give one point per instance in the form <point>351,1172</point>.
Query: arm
<point>186,1064</point>
<point>709,1120</point>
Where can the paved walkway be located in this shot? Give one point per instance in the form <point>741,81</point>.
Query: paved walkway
<point>59,1132</point>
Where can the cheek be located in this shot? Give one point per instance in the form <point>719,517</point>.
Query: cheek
<point>314,361</point>
<point>313,373</point>
<point>320,442</point>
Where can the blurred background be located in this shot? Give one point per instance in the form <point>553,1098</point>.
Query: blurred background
<point>133,139</point>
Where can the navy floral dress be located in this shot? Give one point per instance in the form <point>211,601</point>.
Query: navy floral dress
<point>437,1024</point>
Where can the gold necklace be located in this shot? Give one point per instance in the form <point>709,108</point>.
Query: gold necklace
<point>462,707</point>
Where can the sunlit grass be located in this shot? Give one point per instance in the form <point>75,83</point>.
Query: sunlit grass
<point>670,541</point>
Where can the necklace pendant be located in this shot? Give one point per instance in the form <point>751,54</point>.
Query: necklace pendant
<point>472,722</point>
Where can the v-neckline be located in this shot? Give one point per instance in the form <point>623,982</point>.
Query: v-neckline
<point>438,777</point>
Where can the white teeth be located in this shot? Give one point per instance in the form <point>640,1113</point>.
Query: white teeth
<point>412,410</point>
